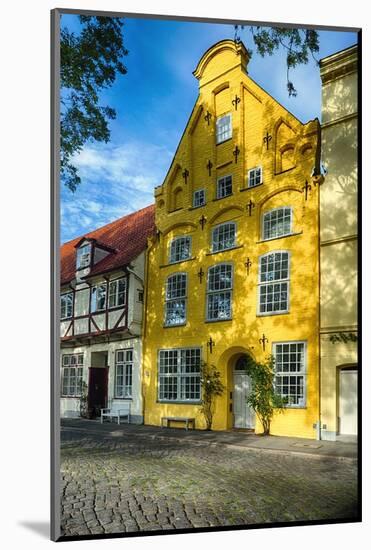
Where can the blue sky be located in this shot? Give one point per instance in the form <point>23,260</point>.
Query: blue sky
<point>153,102</point>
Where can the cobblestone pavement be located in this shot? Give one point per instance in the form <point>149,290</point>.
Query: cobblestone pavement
<point>113,484</point>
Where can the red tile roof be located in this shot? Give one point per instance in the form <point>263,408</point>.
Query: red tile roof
<point>127,235</point>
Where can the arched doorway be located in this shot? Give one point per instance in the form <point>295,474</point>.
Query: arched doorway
<point>244,416</point>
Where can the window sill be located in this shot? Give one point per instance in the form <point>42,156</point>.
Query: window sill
<point>123,398</point>
<point>175,210</point>
<point>70,396</point>
<point>173,402</point>
<point>224,250</point>
<point>269,313</point>
<point>196,207</point>
<point>221,198</point>
<point>175,326</point>
<point>281,237</point>
<point>179,262</point>
<point>224,141</point>
<point>252,187</point>
<point>218,320</point>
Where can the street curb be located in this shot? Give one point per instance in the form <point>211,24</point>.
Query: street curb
<point>260,449</point>
<point>234,446</point>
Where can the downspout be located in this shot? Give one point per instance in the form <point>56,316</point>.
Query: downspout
<point>318,176</point>
<point>150,244</point>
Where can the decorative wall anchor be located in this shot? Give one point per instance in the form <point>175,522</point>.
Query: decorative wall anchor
<point>250,206</point>
<point>202,221</point>
<point>185,175</point>
<point>236,152</point>
<point>207,117</point>
<point>201,274</point>
<point>248,264</point>
<point>209,165</point>
<point>306,188</point>
<point>210,344</point>
<point>236,101</point>
<point>267,139</point>
<point>263,341</point>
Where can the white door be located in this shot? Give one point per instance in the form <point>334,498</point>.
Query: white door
<point>348,402</point>
<point>244,416</point>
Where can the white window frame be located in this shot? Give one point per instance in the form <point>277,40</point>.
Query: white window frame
<point>219,228</point>
<point>72,363</point>
<point>64,296</point>
<point>196,199</point>
<point>95,300</point>
<point>269,213</point>
<point>210,293</point>
<point>173,253</point>
<point>289,374</point>
<point>172,301</point>
<point>115,293</point>
<point>252,171</point>
<point>218,181</point>
<point>181,375</point>
<point>262,284</point>
<point>80,254</point>
<point>127,373</point>
<point>222,136</point>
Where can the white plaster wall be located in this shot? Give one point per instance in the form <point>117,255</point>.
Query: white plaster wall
<point>70,407</point>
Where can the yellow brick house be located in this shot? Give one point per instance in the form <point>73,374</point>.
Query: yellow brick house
<point>233,269</point>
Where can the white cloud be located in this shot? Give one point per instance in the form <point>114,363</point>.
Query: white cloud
<point>116,180</point>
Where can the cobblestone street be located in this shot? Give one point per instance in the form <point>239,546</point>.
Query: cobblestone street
<point>124,481</point>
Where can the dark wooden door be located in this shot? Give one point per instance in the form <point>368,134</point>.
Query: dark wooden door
<point>97,397</point>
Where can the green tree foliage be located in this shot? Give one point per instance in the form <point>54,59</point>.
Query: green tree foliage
<point>90,62</point>
<point>212,387</point>
<point>263,398</point>
<point>298,43</point>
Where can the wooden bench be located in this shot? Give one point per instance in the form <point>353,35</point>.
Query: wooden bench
<point>188,421</point>
<point>117,410</point>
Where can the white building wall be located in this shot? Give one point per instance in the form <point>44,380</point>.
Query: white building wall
<point>70,406</point>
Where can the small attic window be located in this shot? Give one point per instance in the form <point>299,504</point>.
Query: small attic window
<point>83,256</point>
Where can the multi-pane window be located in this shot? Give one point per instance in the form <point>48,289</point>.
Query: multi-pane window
<point>224,237</point>
<point>199,198</point>
<point>179,375</point>
<point>254,177</point>
<point>180,249</point>
<point>224,187</point>
<point>66,305</point>
<point>274,283</point>
<point>219,292</point>
<point>277,223</point>
<point>117,293</point>
<point>83,256</point>
<point>290,368</point>
<point>124,373</point>
<point>72,366</point>
<point>223,128</point>
<point>98,297</point>
<point>175,299</point>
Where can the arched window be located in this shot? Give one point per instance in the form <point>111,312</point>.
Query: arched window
<point>274,283</point>
<point>180,249</point>
<point>219,292</point>
<point>224,237</point>
<point>175,299</point>
<point>277,223</point>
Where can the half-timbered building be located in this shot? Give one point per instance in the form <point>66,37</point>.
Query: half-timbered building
<point>102,286</point>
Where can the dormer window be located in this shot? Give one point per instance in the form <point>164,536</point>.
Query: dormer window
<point>83,256</point>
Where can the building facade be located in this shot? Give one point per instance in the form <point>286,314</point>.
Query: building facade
<point>102,288</point>
<point>233,270</point>
<point>338,238</point>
